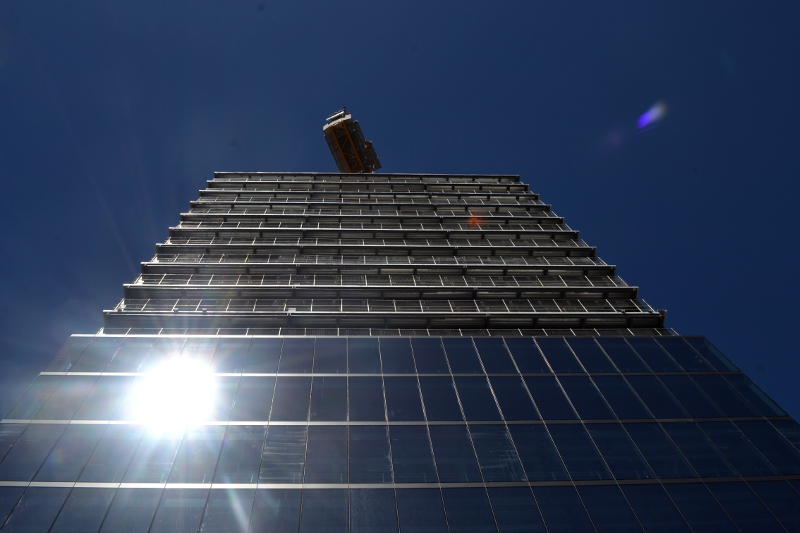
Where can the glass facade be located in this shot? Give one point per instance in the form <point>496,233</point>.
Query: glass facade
<point>334,422</point>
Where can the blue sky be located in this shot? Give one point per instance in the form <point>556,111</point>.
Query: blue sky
<point>115,113</point>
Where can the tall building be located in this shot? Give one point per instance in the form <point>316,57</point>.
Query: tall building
<point>390,352</point>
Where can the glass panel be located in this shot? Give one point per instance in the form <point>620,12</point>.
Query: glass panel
<point>326,455</point>
<point>283,456</point>
<point>228,511</point>
<point>684,354</point>
<point>420,511</point>
<point>694,402</point>
<point>396,356</point>
<point>608,509</point>
<point>70,454</point>
<point>37,509</point>
<point>402,398</point>
<point>515,510</point>
<point>496,454</point>
<point>698,449</point>
<point>514,400</point>
<point>369,455</point>
<point>585,398</point>
<point>590,354</point>
<point>230,355</point>
<point>538,454</point>
<point>153,459</point>
<point>476,398</point>
<point>112,455</point>
<point>559,355</point>
<point>180,511</point>
<point>578,452</point>
<point>619,452</point>
<point>241,455</point>
<point>549,398</point>
<point>468,511</point>
<point>253,399</point>
<point>622,356</point>
<point>527,356</point>
<point>411,455</point>
<point>276,510</point>
<point>455,458</point>
<point>495,357</point>
<point>197,456</point>
<point>291,398</point>
<point>762,404</point>
<point>108,399</point>
<point>736,449</point>
<point>131,511</point>
<point>621,397</point>
<point>562,509</point>
<point>30,450</point>
<point>429,356</point>
<point>372,511</point>
<point>35,396</point>
<point>661,454</point>
<point>654,508</point>
<point>711,354</point>
<point>744,508</point>
<point>724,396</point>
<point>654,355</point>
<point>699,507</point>
<point>656,397</point>
<point>9,433</point>
<point>297,356</point>
<point>439,397</point>
<point>324,510</point>
<point>9,496</point>
<point>462,356</point>
<point>329,398</point>
<point>223,400</point>
<point>784,502</point>
<point>364,356</point>
<point>366,399</point>
<point>330,356</point>
<point>783,456</point>
<point>263,356</point>
<point>84,510</point>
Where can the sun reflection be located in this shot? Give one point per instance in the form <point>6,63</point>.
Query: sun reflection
<point>173,395</point>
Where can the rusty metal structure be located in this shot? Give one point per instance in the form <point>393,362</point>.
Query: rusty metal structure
<point>352,152</point>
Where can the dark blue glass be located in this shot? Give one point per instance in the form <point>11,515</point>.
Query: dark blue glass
<point>468,511</point>
<point>537,452</point>
<point>585,398</point>
<point>562,509</point>
<point>297,356</point>
<point>9,496</point>
<point>694,402</point>
<point>291,398</point>
<point>515,403</point>
<point>660,453</point>
<point>330,356</point>
<point>699,507</point>
<point>462,356</point>
<point>83,511</point>
<point>372,511</point>
<point>67,398</point>
<point>619,452</point>
<point>608,509</point>
<point>363,356</point>
<point>420,511</point>
<point>411,455</point>
<point>366,399</point>
<point>698,449</point>
<point>369,455</point>
<point>263,356</point>
<point>439,397</point>
<point>590,355</point>
<point>455,458</point>
<point>324,510</point>
<point>654,355</point>
<point>515,511</point>
<point>240,455</point>
<point>497,457</point>
<point>131,511</point>
<point>96,356</point>
<point>782,455</point>
<point>495,357</point>
<point>790,430</point>
<point>549,398</point>
<point>654,508</point>
<point>724,396</point>
<point>108,399</point>
<point>326,455</point>
<point>578,451</point>
<point>68,354</point>
<point>37,509</point>
<point>476,398</point>
<point>70,453</point>
<point>9,433</point>
<point>26,456</point>
<point>396,356</point>
<point>622,355</point>
<point>228,511</point>
<point>621,398</point>
<point>197,455</point>
<point>231,355</point>
<point>253,399</point>
<point>744,507</point>
<point>660,402</point>
<point>328,398</point>
<point>711,354</point>
<point>275,510</point>
<point>153,459</point>
<point>760,402</point>
<point>782,500</point>
<point>283,455</point>
<point>687,357</point>
<point>527,355</point>
<point>559,355</point>
<point>112,455</point>
<point>429,356</point>
<point>737,449</point>
<point>180,511</point>
<point>402,398</point>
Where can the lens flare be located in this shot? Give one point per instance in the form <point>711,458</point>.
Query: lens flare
<point>173,395</point>
<point>656,112</point>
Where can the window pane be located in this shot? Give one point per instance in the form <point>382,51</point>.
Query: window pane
<point>698,507</point>
<point>527,356</point>
<point>549,398</point>
<point>496,454</point>
<point>83,511</point>
<point>663,457</point>
<point>654,355</point>
<point>197,456</point>
<point>37,509</point>
<point>275,510</point>
<point>369,455</point>
<point>9,433</point>
<point>622,356</point>
<point>30,450</point>
<point>654,509</point>
<point>693,400</point>
<point>781,500</point>
<point>372,511</point>
<point>241,455</point>
<point>70,453</point>
<point>514,400</point>
<point>67,398</point>
<point>468,511</point>
<point>782,455</point>
<point>324,510</point>
<point>744,508</point>
<point>153,459</point>
<point>326,455</point>
<point>330,356</point>
<point>396,356</point>
<point>297,356</point>
<point>608,509</point>
<point>439,396</point>
<point>283,456</point>
<point>559,355</point>
<point>411,455</point>
<point>291,398</point>
<point>762,404</point>
<point>329,398</point>
<point>538,454</point>
<point>455,458</point>
<point>515,510</point>
<point>495,357</point>
<point>585,398</point>
<point>462,356</point>
<point>108,399</point>
<point>402,398</point>
<point>228,511</point>
<point>35,396</point>
<point>223,400</point>
<point>9,496</point>
<point>684,354</point>
<point>429,356</point>
<point>698,449</point>
<point>231,355</point>
<point>112,455</point>
<point>590,354</point>
<point>619,451</point>
<point>366,399</point>
<point>656,397</point>
<point>711,354</point>
<point>420,511</point>
<point>737,449</point>
<point>621,397</point>
<point>476,398</point>
<point>131,511</point>
<point>263,356</point>
<point>562,509</point>
<point>578,452</point>
<point>364,356</point>
<point>724,396</point>
<point>180,511</point>
<point>253,399</point>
